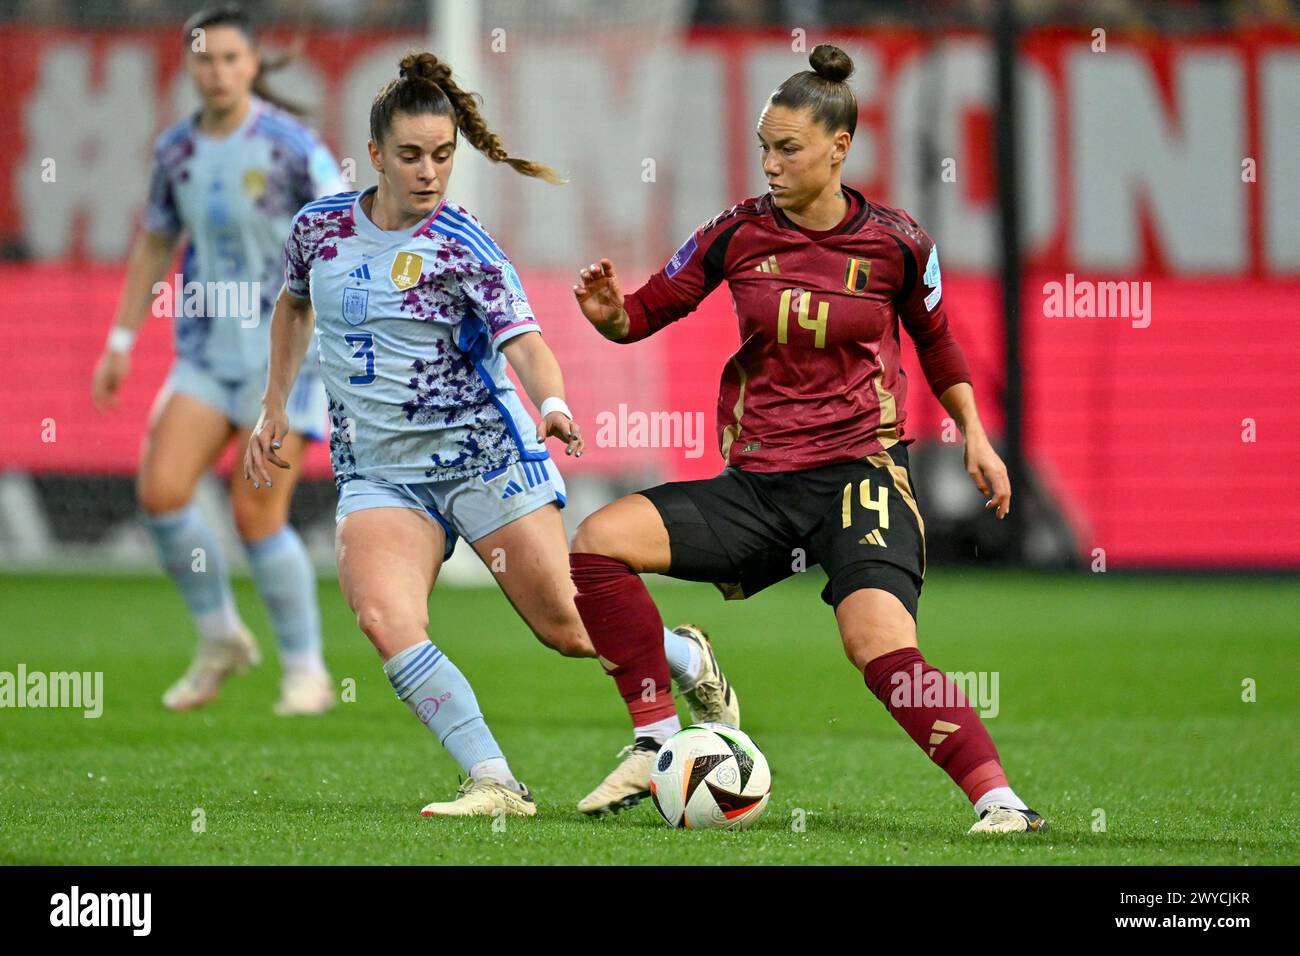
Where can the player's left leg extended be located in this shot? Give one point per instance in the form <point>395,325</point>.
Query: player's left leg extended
<point>879,637</point>
<point>871,543</point>
<point>286,580</point>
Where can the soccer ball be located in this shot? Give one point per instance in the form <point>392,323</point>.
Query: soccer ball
<point>710,776</point>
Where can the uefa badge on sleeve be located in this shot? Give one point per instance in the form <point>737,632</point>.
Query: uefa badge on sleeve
<point>354,306</point>
<point>681,257</point>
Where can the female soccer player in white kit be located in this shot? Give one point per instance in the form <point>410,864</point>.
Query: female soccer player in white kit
<point>416,311</point>
<point>226,181</point>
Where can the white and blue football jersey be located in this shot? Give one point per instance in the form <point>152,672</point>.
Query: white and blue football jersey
<point>409,327</point>
<point>236,197</point>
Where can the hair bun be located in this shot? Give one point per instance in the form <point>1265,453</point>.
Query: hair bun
<point>425,66</point>
<point>831,63</point>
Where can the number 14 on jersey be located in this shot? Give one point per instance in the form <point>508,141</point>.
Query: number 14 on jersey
<point>802,310</point>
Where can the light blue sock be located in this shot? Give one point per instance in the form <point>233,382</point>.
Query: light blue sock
<point>287,582</point>
<point>192,558</point>
<point>683,658</point>
<point>438,694</point>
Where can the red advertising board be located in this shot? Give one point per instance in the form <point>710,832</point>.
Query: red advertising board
<point>1170,438</point>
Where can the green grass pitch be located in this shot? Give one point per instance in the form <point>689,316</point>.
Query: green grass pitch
<point>1118,696</point>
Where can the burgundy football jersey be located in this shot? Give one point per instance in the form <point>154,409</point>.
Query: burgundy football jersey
<point>817,379</point>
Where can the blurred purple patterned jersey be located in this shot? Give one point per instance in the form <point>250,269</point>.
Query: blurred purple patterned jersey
<point>236,197</point>
<point>409,327</point>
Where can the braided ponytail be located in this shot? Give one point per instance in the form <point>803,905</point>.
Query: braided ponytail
<point>424,85</point>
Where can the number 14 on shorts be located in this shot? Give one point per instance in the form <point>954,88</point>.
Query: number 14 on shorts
<point>879,503</point>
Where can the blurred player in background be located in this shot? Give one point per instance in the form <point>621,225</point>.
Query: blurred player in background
<point>416,312</point>
<point>810,421</point>
<point>226,182</point>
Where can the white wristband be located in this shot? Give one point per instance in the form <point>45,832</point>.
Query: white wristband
<point>554,404</point>
<point>120,339</point>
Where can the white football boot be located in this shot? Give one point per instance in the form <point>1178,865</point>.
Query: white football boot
<point>213,663</point>
<point>999,819</point>
<point>305,693</point>
<point>710,698</point>
<point>627,784</point>
<point>482,798</point>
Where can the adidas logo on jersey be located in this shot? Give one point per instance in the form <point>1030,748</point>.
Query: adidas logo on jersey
<point>361,272</point>
<point>768,265</point>
<point>875,537</point>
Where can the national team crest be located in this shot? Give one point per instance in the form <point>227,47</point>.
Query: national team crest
<point>406,270</point>
<point>354,306</point>
<point>255,182</point>
<point>856,275</point>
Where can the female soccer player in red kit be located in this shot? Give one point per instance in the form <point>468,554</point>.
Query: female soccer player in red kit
<point>811,424</point>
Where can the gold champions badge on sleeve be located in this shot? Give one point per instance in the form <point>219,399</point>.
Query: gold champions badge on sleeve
<point>856,275</point>
<point>406,270</point>
<point>255,183</point>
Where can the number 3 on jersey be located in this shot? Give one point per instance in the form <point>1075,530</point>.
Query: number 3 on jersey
<point>365,350</point>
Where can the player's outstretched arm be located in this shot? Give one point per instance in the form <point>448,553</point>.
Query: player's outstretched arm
<point>291,328</point>
<point>983,464</point>
<point>601,299</point>
<point>150,256</point>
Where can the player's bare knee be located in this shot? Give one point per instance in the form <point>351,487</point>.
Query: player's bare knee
<point>160,498</point>
<point>862,646</point>
<point>866,639</point>
<point>857,652</point>
<point>254,521</point>
<point>387,628</point>
<point>584,539</point>
<point>595,535</point>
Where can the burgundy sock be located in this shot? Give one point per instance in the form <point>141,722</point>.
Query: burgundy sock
<point>627,632</point>
<point>950,732</point>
